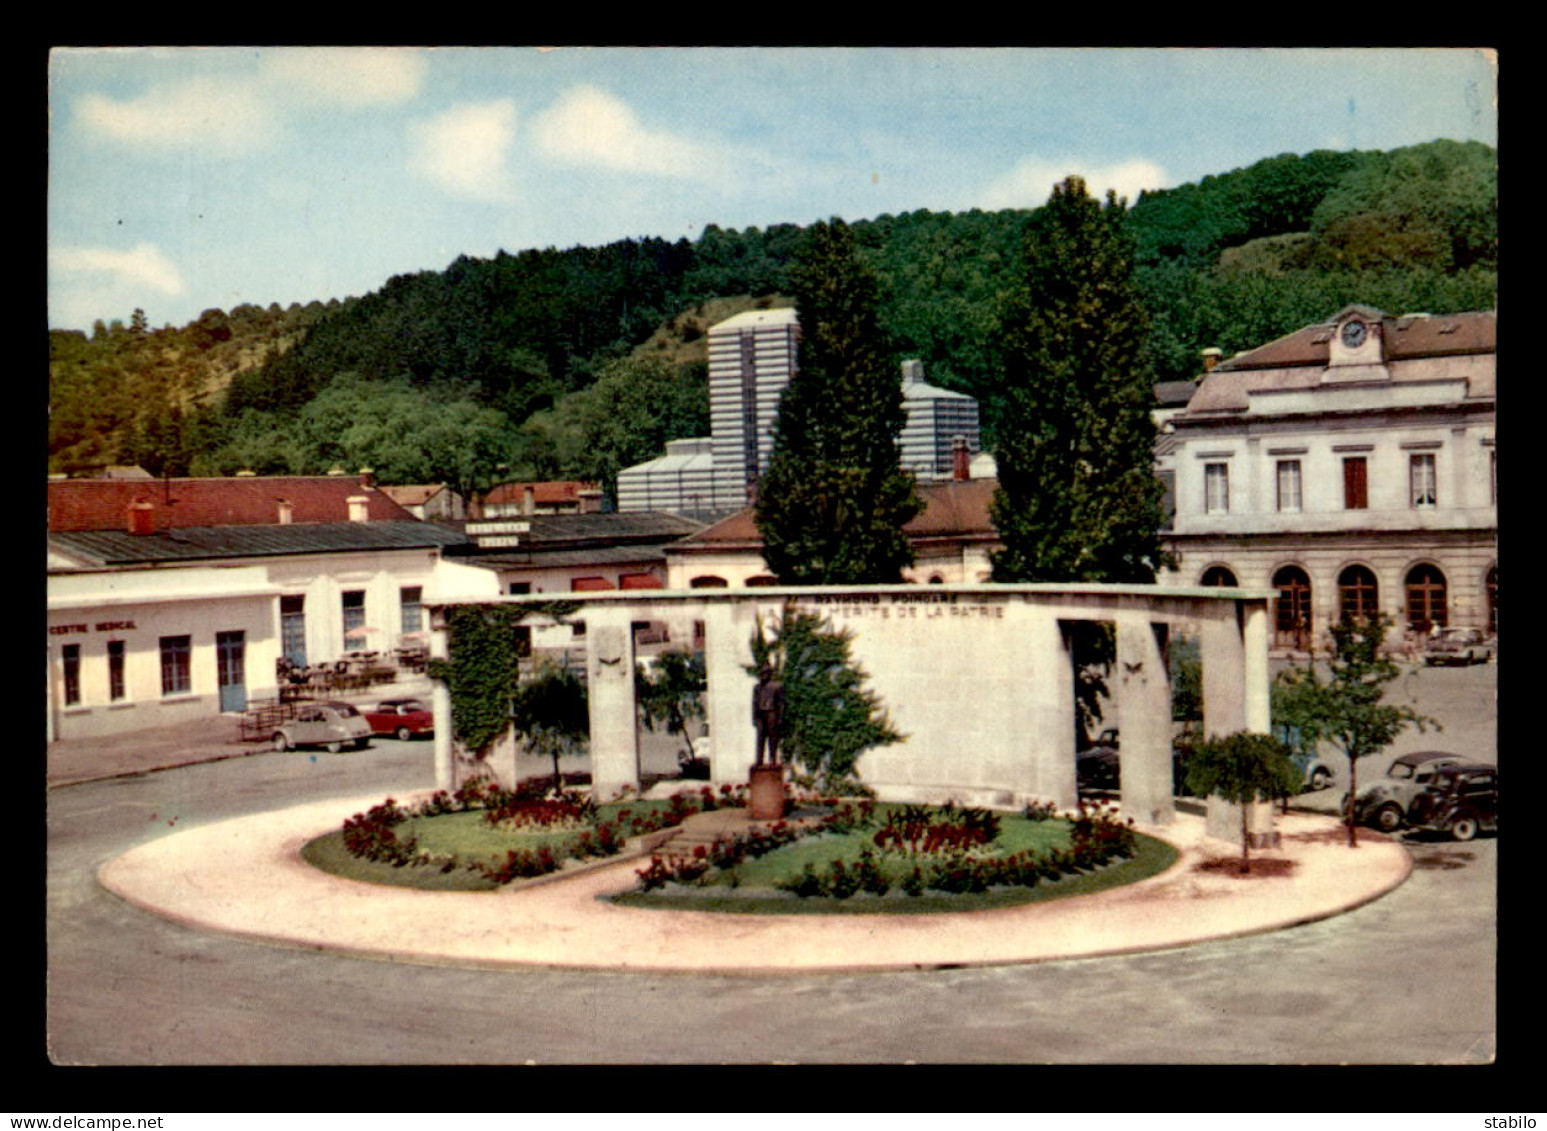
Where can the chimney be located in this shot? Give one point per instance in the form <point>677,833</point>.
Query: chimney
<point>1211,358</point>
<point>142,518</point>
<point>359,508</point>
<point>286,512</point>
<point>961,460</point>
<point>367,477</point>
<point>528,499</point>
<point>912,372</point>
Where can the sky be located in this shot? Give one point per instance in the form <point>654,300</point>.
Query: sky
<point>188,178</point>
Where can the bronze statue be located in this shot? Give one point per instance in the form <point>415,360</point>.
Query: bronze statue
<point>768,715</point>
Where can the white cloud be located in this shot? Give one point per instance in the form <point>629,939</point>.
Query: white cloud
<point>346,76</point>
<point>204,113</point>
<point>86,283</point>
<point>464,149</point>
<point>144,265</point>
<point>588,126</point>
<point>1031,182</point>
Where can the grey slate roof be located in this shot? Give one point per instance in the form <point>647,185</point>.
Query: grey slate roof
<point>209,543</point>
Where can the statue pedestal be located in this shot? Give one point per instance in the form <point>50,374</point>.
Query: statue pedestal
<point>765,793</point>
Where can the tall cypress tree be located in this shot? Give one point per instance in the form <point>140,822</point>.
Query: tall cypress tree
<point>834,500</point>
<point>1078,497</point>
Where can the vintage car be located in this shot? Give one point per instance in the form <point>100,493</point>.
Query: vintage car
<point>1458,646</point>
<point>324,723</point>
<point>1386,803</point>
<point>401,718</point>
<point>1315,774</point>
<point>1460,801</point>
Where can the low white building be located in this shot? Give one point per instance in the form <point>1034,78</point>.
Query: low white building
<point>169,601</point>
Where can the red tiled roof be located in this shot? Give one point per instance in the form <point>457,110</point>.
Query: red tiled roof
<point>552,491</point>
<point>950,510</point>
<point>103,504</point>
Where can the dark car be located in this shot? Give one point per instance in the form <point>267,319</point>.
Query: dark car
<point>1460,801</point>
<point>402,718</point>
<point>1385,803</point>
<point>1097,769</point>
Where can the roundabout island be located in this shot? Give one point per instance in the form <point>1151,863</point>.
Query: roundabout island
<point>247,878</point>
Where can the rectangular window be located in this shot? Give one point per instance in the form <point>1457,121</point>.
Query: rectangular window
<point>292,628</point>
<point>1289,485</point>
<point>71,656</point>
<point>1423,484</point>
<point>354,610</point>
<point>176,657</point>
<point>1356,484</point>
<point>412,597</point>
<point>115,670</point>
<point>520,588</point>
<point>1216,488</point>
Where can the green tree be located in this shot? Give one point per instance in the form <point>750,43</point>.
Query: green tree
<point>830,716</point>
<point>1242,768</point>
<point>551,715</point>
<point>834,500</point>
<point>1078,498</point>
<point>1347,708</point>
<point>671,694</point>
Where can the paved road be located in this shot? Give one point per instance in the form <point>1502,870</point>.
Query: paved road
<point>1408,979</point>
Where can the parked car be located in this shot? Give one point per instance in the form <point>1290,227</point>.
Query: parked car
<point>1458,646</point>
<point>1460,801</point>
<point>1386,803</point>
<point>1097,768</point>
<point>325,723</point>
<point>1314,773</point>
<point>401,718</point>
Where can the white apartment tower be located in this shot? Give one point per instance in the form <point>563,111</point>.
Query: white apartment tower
<point>936,418</point>
<point>751,359</point>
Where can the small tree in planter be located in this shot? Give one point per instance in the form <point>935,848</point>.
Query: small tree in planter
<point>551,714</point>
<point>1241,768</point>
<point>1346,708</point>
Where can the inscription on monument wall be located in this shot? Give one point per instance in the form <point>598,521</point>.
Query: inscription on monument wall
<point>942,607</point>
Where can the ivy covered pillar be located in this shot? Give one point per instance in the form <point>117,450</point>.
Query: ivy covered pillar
<point>614,743</point>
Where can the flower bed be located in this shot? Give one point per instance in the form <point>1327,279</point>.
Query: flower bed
<point>865,857</point>
<point>483,836</point>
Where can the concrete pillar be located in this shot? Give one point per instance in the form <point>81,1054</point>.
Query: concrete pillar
<point>728,630</point>
<point>614,745</point>
<point>1050,715</point>
<point>440,706</point>
<point>1144,690</point>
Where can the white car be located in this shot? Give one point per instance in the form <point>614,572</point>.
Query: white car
<point>325,723</point>
<point>1458,646</point>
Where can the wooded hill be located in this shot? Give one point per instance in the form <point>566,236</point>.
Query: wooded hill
<point>575,363</point>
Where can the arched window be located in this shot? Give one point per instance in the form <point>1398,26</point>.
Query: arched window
<point>762,580</point>
<point>1218,577</point>
<point>1491,593</point>
<point>936,579</point>
<point>1292,609</point>
<point>708,581</point>
<point>1426,598</point>
<point>1358,594</point>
